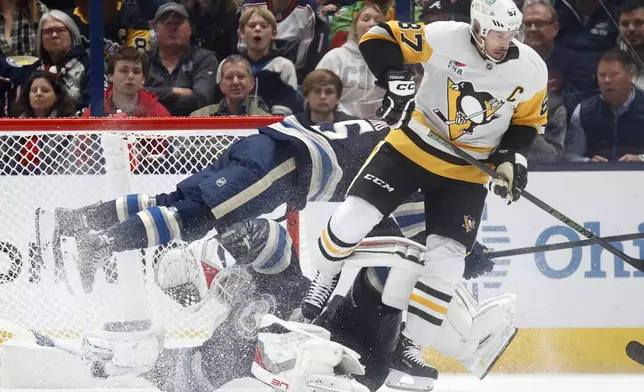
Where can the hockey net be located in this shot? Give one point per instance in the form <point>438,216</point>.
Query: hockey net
<point>73,163</point>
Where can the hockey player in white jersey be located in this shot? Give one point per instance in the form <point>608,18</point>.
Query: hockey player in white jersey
<point>483,91</point>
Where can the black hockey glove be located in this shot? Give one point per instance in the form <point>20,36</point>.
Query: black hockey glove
<point>513,167</point>
<point>257,242</point>
<point>398,104</point>
<point>477,263</point>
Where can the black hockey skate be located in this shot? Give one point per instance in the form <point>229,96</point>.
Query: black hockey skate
<point>408,370</point>
<point>318,295</point>
<point>95,250</point>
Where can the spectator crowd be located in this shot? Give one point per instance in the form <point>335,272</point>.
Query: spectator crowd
<point>280,57</point>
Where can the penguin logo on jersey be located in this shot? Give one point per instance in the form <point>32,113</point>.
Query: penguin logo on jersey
<point>469,223</point>
<point>467,108</point>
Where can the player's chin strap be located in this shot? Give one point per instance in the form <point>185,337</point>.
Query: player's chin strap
<point>474,334</point>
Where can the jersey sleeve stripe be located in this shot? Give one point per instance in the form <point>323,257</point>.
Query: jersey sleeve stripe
<point>533,112</point>
<point>378,32</point>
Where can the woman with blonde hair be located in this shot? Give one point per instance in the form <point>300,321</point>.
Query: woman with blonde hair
<point>360,96</point>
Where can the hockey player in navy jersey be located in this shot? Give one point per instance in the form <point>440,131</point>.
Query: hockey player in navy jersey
<point>311,156</point>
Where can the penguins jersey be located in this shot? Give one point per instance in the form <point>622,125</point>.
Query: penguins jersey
<point>463,98</point>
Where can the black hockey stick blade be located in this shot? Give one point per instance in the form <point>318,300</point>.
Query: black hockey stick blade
<point>634,262</point>
<point>635,351</point>
<point>559,246</point>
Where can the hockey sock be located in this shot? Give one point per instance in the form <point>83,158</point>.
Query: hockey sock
<point>128,206</point>
<point>152,227</point>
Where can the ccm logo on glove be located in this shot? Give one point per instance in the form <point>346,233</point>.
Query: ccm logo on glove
<point>403,88</point>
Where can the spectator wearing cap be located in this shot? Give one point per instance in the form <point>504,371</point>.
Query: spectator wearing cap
<point>61,51</point>
<point>275,76</point>
<point>236,80</point>
<point>22,17</point>
<point>608,126</point>
<point>360,95</point>
<point>215,24</point>
<point>631,37</point>
<point>587,25</point>
<point>182,75</point>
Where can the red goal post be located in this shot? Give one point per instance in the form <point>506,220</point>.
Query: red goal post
<point>49,163</point>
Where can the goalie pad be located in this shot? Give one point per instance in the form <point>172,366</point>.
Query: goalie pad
<point>293,356</point>
<point>474,334</point>
<point>120,353</point>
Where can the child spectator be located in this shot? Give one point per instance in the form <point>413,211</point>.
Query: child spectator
<point>275,76</point>
<point>322,90</point>
<point>60,49</point>
<point>360,95</point>
<point>301,31</point>
<point>182,75</point>
<point>126,70</point>
<point>236,81</point>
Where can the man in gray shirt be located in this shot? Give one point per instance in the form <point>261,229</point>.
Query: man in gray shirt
<point>181,74</point>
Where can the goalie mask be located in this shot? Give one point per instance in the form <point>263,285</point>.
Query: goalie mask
<point>494,24</point>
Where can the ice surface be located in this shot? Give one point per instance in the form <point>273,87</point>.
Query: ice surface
<point>466,383</point>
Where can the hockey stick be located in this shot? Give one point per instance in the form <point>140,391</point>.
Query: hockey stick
<point>634,262</point>
<point>563,245</point>
<point>635,351</point>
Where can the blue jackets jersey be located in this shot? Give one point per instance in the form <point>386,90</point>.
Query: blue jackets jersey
<point>328,155</point>
<point>301,34</point>
<point>609,135</point>
<point>596,34</point>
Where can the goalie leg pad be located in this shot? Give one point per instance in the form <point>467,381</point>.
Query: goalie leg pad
<point>475,334</point>
<point>122,353</point>
<point>428,304</point>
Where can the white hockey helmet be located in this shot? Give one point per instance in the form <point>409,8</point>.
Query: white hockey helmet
<point>498,15</point>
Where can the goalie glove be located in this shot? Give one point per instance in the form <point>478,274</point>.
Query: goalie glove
<point>120,353</point>
<point>398,104</point>
<point>513,167</point>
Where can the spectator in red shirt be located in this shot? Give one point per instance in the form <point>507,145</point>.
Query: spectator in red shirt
<point>126,71</point>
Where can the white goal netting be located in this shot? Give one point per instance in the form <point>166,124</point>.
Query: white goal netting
<point>74,168</point>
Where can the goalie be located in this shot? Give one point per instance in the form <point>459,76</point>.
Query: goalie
<point>262,290</point>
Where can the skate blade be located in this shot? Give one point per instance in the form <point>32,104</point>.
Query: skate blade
<point>399,381</point>
<point>507,344</point>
